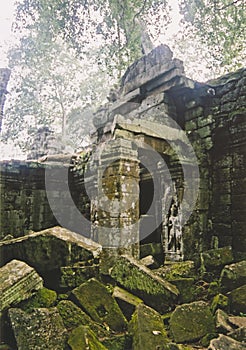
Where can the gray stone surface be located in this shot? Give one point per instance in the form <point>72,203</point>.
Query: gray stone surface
<point>233,276</point>
<point>147,329</point>
<point>190,322</point>
<point>94,297</point>
<point>18,281</point>
<point>50,249</point>
<point>141,281</point>
<point>225,343</point>
<point>42,329</point>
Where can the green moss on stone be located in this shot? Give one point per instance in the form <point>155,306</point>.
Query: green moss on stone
<point>74,317</point>
<point>82,338</point>
<point>94,297</point>
<point>43,298</point>
<point>220,301</point>
<point>190,322</point>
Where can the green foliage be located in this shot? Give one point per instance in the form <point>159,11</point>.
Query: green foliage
<point>220,26</point>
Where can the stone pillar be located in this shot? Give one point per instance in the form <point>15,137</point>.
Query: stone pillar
<point>118,199</point>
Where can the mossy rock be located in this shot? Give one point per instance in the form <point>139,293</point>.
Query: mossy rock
<point>82,338</point>
<point>147,329</point>
<point>237,298</point>
<point>43,298</point>
<point>213,289</point>
<point>141,281</point>
<point>205,341</point>
<point>215,259</point>
<point>190,322</point>
<point>118,342</point>
<point>74,317</point>
<point>186,288</point>
<point>43,329</point>
<point>94,297</point>
<point>233,276</point>
<point>171,271</point>
<point>220,301</point>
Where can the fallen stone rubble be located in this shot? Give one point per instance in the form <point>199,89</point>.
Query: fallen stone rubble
<point>123,310</point>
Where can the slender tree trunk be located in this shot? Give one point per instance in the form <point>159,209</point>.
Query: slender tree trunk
<point>4,78</point>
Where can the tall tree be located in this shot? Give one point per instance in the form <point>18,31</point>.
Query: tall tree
<point>220,26</point>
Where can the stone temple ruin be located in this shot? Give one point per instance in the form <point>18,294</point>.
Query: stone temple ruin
<point>153,208</point>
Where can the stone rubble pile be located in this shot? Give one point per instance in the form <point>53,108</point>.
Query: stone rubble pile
<point>131,307</point>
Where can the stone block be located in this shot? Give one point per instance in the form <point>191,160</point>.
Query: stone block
<point>190,322</point>
<point>50,249</point>
<point>233,276</point>
<point>18,281</point>
<point>42,329</point>
<point>73,317</point>
<point>222,322</point>
<point>238,334</point>
<point>126,301</point>
<point>73,276</point>
<point>82,338</point>
<point>141,281</point>
<point>42,298</point>
<point>94,297</point>
<point>150,262</point>
<point>176,270</point>
<point>154,249</point>
<point>224,342</point>
<point>147,329</point>
<point>237,298</point>
<point>217,258</point>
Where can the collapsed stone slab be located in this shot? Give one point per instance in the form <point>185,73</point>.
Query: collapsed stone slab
<point>94,297</point>
<point>141,281</point>
<point>73,276</point>
<point>237,300</point>
<point>215,259</point>
<point>18,281</point>
<point>83,338</point>
<point>127,301</point>
<point>225,343</point>
<point>42,329</point>
<point>233,276</point>
<point>190,322</point>
<point>147,329</point>
<point>50,249</point>
<point>73,317</point>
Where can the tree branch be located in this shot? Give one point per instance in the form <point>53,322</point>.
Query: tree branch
<point>228,5</point>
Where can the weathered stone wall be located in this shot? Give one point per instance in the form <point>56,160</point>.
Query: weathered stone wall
<point>214,117</point>
<point>24,204</point>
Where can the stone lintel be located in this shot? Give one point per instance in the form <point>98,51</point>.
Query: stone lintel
<point>17,282</point>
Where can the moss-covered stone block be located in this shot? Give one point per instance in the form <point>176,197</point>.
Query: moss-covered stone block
<point>224,342</point>
<point>82,338</point>
<point>237,299</point>
<point>141,281</point>
<point>126,301</point>
<point>222,322</point>
<point>186,289</point>
<point>147,329</point>
<point>233,276</point>
<point>215,259</point>
<point>118,342</point>
<point>50,249</point>
<point>73,317</point>
<point>73,276</point>
<point>182,269</point>
<point>220,301</point>
<point>18,281</point>
<point>43,298</point>
<point>95,298</point>
<point>190,322</point>
<point>42,329</point>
